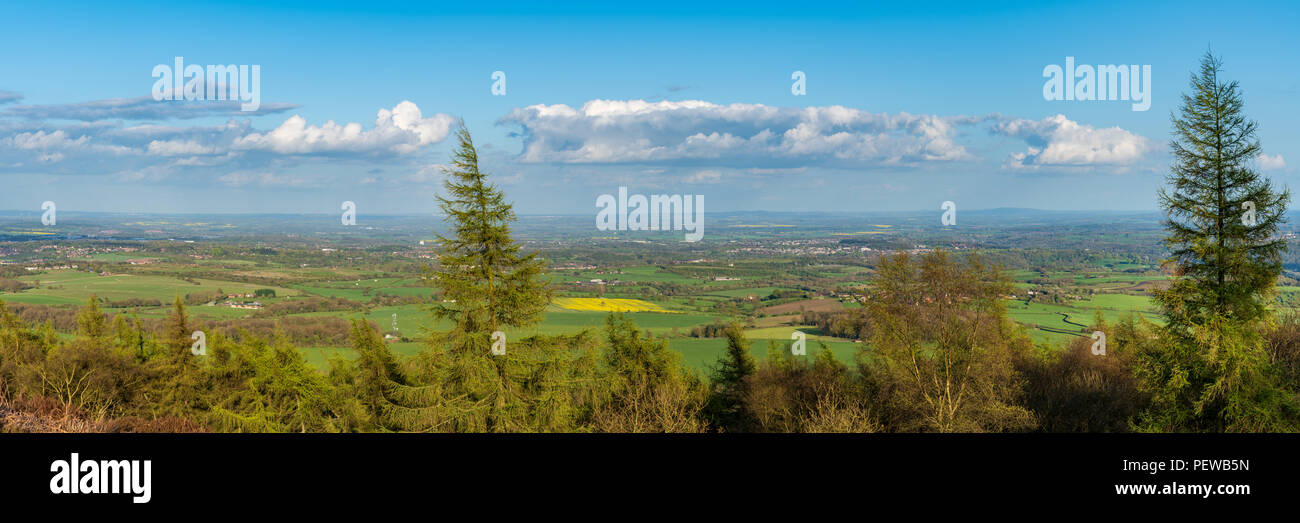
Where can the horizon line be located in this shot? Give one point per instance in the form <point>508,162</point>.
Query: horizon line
<point>543,214</point>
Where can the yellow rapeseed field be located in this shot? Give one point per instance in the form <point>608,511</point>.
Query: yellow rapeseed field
<point>609,305</point>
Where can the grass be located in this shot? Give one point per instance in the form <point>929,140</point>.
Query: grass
<point>783,333</point>
<point>74,287</point>
<point>757,292</point>
<point>1112,306</point>
<point>700,354</point>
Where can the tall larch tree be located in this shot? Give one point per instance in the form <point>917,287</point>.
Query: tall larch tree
<point>488,283</point>
<point>1210,373</point>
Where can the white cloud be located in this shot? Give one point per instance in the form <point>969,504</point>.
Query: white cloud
<point>261,179</point>
<point>109,147</point>
<point>1057,141</point>
<point>402,130</point>
<point>180,148</point>
<point>740,135</point>
<point>1270,163</point>
<point>41,140</point>
<point>59,141</point>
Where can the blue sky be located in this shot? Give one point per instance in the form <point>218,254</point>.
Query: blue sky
<point>906,105</point>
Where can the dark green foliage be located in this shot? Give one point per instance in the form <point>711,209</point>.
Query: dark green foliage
<point>643,387</point>
<point>487,282</point>
<point>1210,372</point>
<point>1226,267</point>
<point>727,410</point>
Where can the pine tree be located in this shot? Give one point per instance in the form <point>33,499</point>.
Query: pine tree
<point>487,282</point>
<point>178,381</point>
<point>1210,372</point>
<point>1226,263</point>
<point>727,410</point>
<point>177,334</point>
<point>645,388</point>
<point>388,396</point>
<point>137,336</point>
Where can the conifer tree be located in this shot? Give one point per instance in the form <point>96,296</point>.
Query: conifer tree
<point>1226,258</point>
<point>1210,371</point>
<point>390,398</point>
<point>645,387</point>
<point>487,282</point>
<point>727,410</point>
<point>177,383</point>
<point>177,334</point>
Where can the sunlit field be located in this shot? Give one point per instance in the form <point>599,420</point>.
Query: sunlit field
<point>609,305</point>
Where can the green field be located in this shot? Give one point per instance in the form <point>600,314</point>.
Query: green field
<point>1045,320</point>
<point>1104,289</point>
<point>74,287</point>
<point>702,353</point>
<point>758,292</point>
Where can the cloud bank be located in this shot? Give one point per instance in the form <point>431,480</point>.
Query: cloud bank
<point>737,135</point>
<point>228,152</point>
<point>750,136</point>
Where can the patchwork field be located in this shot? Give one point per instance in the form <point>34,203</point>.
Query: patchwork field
<point>1055,302</point>
<point>74,287</point>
